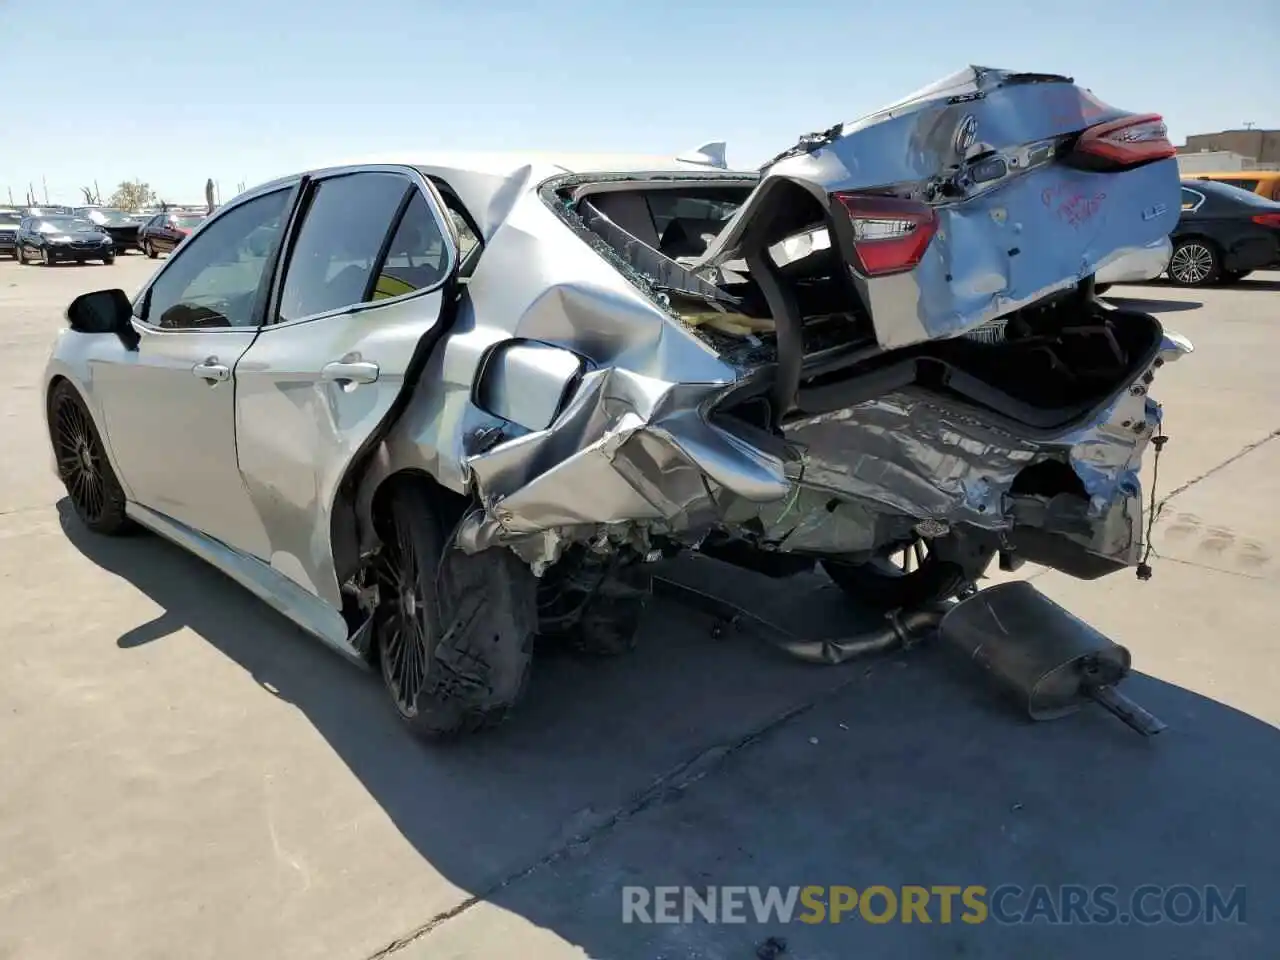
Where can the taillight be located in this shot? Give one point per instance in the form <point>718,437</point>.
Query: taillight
<point>890,235</point>
<point>1268,220</point>
<point>1126,142</point>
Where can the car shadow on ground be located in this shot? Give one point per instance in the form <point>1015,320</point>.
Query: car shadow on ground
<point>700,760</point>
<point>1248,283</point>
<point>1148,305</point>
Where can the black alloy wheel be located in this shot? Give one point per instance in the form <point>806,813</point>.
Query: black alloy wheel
<point>454,632</point>
<point>83,467</point>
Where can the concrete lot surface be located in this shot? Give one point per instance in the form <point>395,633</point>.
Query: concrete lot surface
<point>186,775</point>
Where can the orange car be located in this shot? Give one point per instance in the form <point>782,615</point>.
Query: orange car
<point>1265,183</point>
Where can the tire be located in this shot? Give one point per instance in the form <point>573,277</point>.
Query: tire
<point>1194,263</point>
<point>921,579</point>
<point>149,250</point>
<point>1233,276</point>
<point>20,256</point>
<point>83,467</point>
<point>593,605</point>
<point>454,632</point>
<point>47,258</point>
<point>108,261</point>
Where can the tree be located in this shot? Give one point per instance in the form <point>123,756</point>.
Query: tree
<point>132,194</point>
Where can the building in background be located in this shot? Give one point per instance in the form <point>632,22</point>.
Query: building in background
<point>1230,150</point>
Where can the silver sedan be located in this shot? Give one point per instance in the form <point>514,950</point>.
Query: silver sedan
<point>433,408</point>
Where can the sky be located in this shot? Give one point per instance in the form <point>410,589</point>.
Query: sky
<point>173,92</point>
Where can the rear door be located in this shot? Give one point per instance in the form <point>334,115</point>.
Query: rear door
<point>363,290</point>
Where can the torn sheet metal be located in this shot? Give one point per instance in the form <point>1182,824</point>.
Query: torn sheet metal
<point>644,459</point>
<point>983,149</point>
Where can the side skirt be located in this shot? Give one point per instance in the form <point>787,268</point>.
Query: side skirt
<point>272,587</point>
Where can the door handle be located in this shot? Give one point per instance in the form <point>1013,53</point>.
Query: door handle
<point>212,370</point>
<point>350,371</point>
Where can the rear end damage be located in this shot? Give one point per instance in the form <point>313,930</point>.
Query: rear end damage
<point>905,312</point>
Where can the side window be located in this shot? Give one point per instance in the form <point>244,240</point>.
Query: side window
<point>419,253</point>
<point>1191,200</point>
<point>214,280</point>
<point>343,232</point>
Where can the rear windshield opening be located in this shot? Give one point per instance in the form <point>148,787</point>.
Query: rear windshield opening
<point>661,232</point>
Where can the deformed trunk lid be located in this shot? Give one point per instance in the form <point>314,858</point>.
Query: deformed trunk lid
<point>984,149</point>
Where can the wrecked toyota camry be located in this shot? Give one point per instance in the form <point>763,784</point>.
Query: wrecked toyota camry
<point>432,410</point>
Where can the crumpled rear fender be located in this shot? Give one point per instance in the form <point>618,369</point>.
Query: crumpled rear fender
<point>633,454</point>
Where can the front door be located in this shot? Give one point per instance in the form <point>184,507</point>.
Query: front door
<point>170,407</point>
<point>362,289</point>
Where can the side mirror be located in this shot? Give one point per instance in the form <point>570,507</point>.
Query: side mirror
<point>528,383</point>
<point>104,311</point>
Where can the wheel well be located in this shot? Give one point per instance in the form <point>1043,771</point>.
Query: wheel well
<point>350,533</point>
<point>449,506</point>
<point>1199,238</point>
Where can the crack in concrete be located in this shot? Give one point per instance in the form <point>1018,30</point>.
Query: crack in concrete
<point>1209,567</point>
<point>1244,451</point>
<point>660,790</point>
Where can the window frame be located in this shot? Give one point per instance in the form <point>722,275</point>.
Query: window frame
<point>439,212</point>
<point>1197,193</point>
<point>291,187</point>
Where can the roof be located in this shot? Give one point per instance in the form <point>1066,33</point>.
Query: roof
<point>488,184</point>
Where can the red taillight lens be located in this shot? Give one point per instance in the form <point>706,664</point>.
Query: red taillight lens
<point>1268,220</point>
<point>1128,141</point>
<point>890,235</point>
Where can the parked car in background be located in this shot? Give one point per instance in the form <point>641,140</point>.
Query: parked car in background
<point>1224,234</point>
<point>47,211</point>
<point>51,239</point>
<point>1135,266</point>
<point>120,224</point>
<point>10,221</point>
<point>164,231</point>
<point>1265,183</point>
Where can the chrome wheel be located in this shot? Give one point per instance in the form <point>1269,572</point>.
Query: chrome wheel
<point>404,647</point>
<point>1192,264</point>
<point>80,462</point>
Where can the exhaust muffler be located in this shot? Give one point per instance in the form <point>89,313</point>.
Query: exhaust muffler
<point>1050,661</point>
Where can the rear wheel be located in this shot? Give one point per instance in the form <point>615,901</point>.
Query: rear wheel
<point>902,576</point>
<point>149,250</point>
<point>454,631</point>
<point>83,467</point>
<point>1194,263</point>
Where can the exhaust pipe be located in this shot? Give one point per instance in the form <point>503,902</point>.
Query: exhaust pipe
<point>900,629</point>
<point>1047,659</point>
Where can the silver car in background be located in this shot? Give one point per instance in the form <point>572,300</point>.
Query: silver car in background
<point>431,409</point>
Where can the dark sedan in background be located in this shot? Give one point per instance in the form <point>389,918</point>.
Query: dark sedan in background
<point>10,220</point>
<point>51,239</point>
<point>121,225</point>
<point>163,232</point>
<point>1224,234</point>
